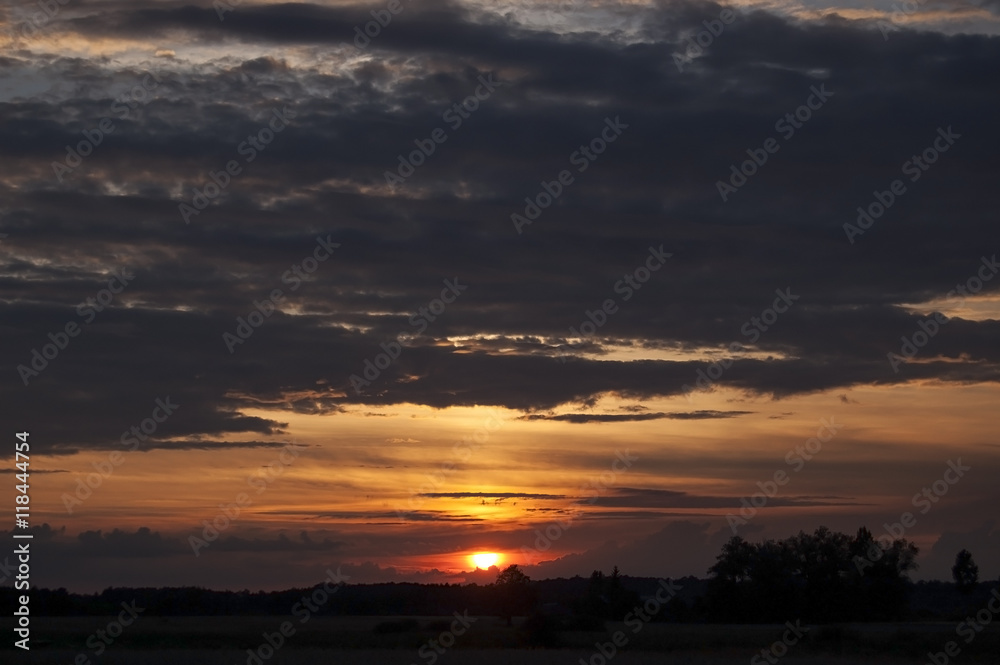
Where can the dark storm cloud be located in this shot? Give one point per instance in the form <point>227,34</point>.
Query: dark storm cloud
<point>323,177</point>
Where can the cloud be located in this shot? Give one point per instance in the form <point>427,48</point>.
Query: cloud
<point>125,545</point>
<point>324,176</point>
<point>706,415</point>
<point>490,495</point>
<point>636,417</point>
<point>689,546</point>
<point>631,497</point>
<point>983,541</point>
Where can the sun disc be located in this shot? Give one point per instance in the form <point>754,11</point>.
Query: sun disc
<point>485,559</point>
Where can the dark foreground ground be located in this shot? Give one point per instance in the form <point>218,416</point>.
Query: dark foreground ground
<point>405,641</point>
<point>473,657</point>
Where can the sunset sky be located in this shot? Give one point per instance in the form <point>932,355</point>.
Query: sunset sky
<point>615,293</point>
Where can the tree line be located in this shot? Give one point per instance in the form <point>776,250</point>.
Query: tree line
<point>822,577</point>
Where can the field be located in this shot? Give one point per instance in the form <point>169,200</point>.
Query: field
<point>398,640</point>
<point>467,657</point>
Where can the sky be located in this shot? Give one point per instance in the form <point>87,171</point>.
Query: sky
<point>585,283</point>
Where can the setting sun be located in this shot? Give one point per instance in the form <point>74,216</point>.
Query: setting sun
<point>484,559</point>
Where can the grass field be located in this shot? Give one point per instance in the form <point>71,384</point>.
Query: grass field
<point>458,657</point>
<point>350,640</point>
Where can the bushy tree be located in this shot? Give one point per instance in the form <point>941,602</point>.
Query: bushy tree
<point>514,594</point>
<point>965,571</point>
<point>821,577</point>
<point>730,593</point>
<point>880,569</point>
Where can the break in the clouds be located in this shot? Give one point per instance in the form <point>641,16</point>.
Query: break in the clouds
<point>277,226</point>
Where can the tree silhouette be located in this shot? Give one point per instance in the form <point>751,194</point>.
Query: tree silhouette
<point>514,592</point>
<point>512,575</point>
<point>733,564</point>
<point>965,571</point>
<point>823,577</point>
<point>606,598</point>
<point>597,579</point>
<point>880,575</point>
<point>729,592</point>
<point>595,601</point>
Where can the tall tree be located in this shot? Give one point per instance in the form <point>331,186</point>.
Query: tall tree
<point>733,563</point>
<point>879,572</point>
<point>965,571</point>
<point>514,592</point>
<point>730,597</point>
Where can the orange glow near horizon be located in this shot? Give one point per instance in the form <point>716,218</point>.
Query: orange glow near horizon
<point>484,559</point>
